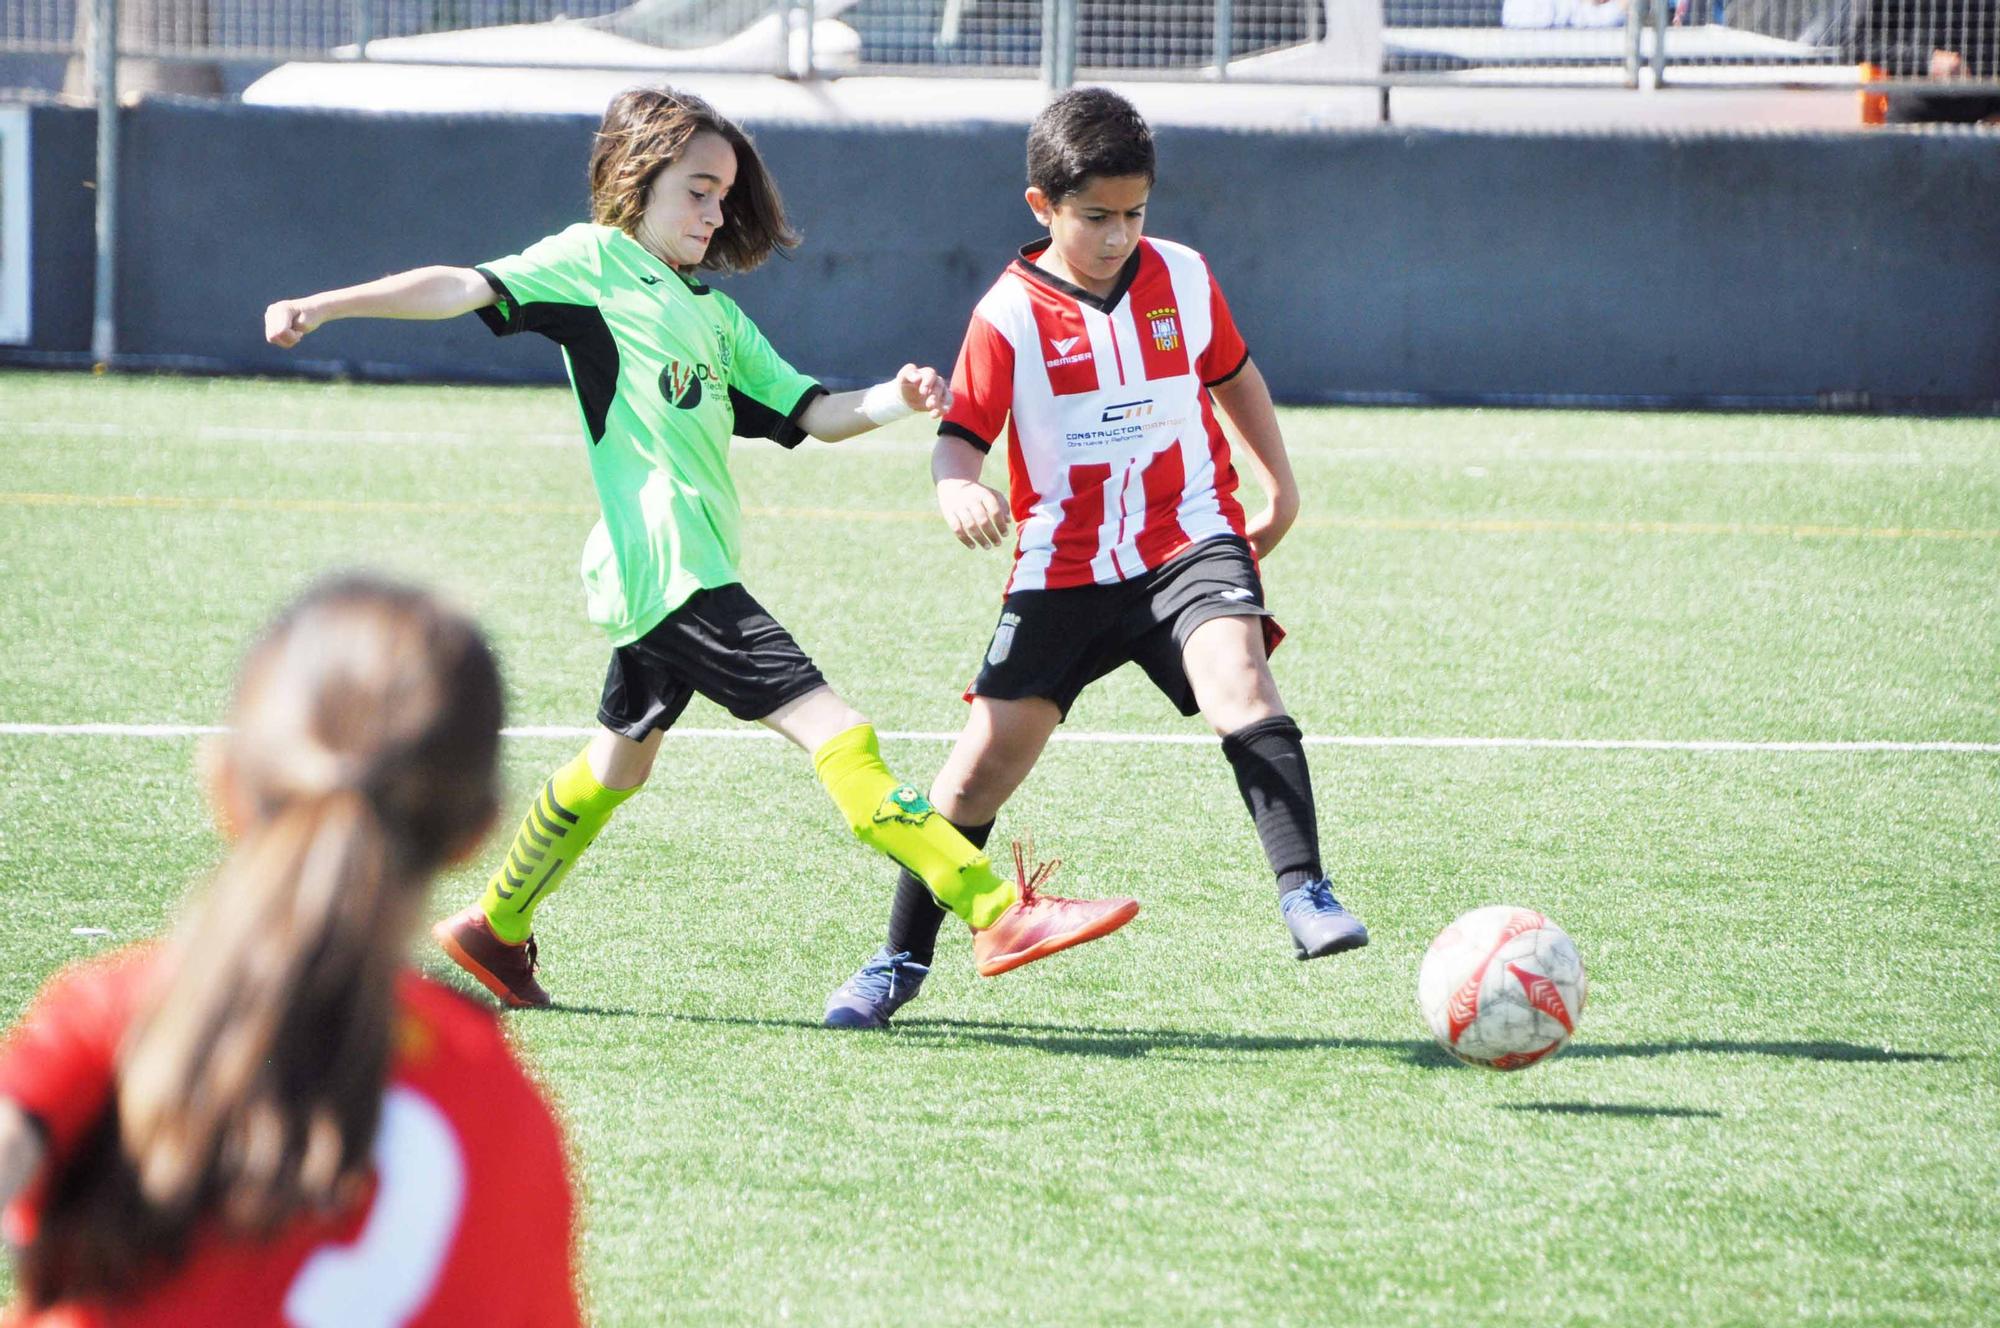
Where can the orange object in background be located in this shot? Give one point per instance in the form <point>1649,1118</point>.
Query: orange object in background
<point>1874,105</point>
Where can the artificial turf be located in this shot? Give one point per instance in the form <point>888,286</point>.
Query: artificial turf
<point>1783,1102</point>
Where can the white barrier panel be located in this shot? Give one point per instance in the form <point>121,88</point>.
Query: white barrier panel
<point>16,256</point>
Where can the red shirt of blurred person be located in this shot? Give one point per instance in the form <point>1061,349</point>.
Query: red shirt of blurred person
<point>467,1221</point>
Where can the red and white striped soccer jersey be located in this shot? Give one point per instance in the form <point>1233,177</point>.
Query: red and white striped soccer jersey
<point>1114,455</point>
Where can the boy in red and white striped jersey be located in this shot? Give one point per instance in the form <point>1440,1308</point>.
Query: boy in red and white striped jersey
<point>1111,363</point>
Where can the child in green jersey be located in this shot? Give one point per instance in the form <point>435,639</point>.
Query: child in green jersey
<point>665,369</point>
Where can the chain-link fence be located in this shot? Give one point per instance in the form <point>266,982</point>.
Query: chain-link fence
<point>29,27</point>
<point>277,30</point>
<point>1944,44</point>
<point>1933,59</point>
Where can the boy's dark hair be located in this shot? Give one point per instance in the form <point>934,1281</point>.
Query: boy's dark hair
<point>647,129</point>
<point>1087,132</point>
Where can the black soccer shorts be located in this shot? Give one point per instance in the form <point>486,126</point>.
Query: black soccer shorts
<point>1055,643</point>
<point>720,643</point>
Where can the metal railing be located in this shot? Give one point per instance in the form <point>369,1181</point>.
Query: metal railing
<point>1379,42</point>
<point>1946,49</point>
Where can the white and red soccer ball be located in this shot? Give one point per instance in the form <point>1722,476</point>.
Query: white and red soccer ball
<point>1502,987</point>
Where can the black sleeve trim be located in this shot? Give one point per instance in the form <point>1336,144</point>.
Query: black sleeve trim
<point>950,430</point>
<point>503,318</point>
<point>754,419</point>
<point>1241,365</point>
<point>579,329</point>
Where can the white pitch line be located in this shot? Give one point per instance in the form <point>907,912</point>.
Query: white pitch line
<point>231,433</point>
<point>1635,456</point>
<point>1329,452</point>
<point>109,730</point>
<point>751,734</point>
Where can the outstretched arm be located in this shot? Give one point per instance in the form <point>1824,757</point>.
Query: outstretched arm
<point>424,292</point>
<point>21,1151</point>
<point>845,414</point>
<point>1253,422</point>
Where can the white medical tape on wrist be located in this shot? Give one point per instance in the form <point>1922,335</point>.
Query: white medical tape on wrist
<point>884,404</point>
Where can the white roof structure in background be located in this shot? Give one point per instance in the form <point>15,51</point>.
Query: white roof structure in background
<point>567,67</point>
<point>577,67</point>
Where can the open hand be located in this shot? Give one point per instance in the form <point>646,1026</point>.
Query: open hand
<point>976,514</point>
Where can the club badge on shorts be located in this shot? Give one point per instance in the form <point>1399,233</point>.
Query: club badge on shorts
<point>1003,638</point>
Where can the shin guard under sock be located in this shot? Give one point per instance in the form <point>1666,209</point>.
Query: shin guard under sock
<point>894,819</point>
<point>566,816</point>
<point>1269,758</point>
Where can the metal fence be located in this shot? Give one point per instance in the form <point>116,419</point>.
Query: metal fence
<point>1948,43</point>
<point>1945,49</point>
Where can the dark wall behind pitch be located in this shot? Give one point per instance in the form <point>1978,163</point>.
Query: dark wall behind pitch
<point>1781,269</point>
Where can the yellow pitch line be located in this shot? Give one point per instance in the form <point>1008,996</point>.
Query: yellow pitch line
<point>172,502</point>
<point>1432,525</point>
<point>1561,526</point>
<point>197,503</point>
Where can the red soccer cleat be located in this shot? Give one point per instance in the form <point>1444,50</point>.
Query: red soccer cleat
<point>1038,925</point>
<point>508,971</point>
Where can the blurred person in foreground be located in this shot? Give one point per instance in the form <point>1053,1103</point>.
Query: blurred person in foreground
<point>268,1117</point>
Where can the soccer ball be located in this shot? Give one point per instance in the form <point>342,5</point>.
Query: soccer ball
<point>1501,987</point>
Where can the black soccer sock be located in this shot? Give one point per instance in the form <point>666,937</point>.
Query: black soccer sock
<point>916,915</point>
<point>1269,757</point>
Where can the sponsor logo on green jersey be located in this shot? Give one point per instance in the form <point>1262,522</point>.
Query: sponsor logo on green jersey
<point>681,383</point>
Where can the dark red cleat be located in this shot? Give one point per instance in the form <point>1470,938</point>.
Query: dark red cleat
<point>508,971</point>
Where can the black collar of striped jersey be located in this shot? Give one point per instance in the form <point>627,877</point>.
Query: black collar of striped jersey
<point>1103,304</point>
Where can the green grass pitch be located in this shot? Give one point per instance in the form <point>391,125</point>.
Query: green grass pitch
<point>1783,1103</point>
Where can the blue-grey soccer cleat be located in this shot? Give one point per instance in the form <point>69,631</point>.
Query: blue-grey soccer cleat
<point>1320,924</point>
<point>881,988</point>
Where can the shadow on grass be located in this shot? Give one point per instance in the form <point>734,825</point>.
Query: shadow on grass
<point>1797,1051</point>
<point>674,1016</point>
<point>1603,1109</point>
<point>1127,1043</point>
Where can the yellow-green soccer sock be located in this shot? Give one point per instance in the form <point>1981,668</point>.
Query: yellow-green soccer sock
<point>571,808</point>
<point>893,818</point>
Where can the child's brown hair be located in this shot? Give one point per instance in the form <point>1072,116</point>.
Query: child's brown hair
<point>648,129</point>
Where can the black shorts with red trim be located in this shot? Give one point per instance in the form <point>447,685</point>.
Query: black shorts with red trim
<point>722,644</point>
<point>1055,643</point>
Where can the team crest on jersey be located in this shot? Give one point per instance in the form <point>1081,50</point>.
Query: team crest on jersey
<point>1166,329</point>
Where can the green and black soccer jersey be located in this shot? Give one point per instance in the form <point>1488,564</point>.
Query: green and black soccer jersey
<point>665,371</point>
